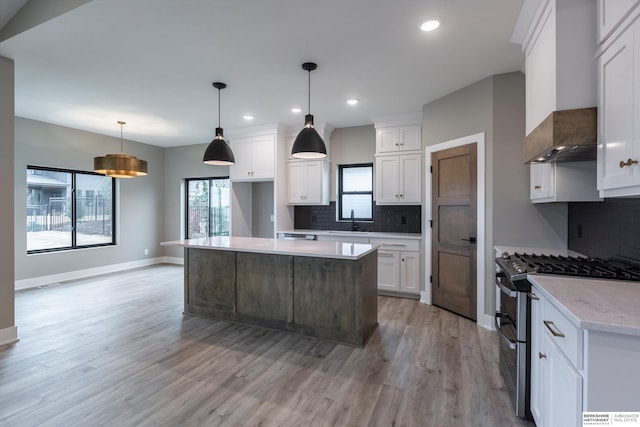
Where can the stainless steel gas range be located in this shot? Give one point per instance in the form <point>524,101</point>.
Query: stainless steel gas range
<point>513,316</point>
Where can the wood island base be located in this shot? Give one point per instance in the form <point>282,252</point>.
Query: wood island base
<point>329,298</point>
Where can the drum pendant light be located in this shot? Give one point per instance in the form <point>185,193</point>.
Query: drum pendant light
<point>308,144</point>
<point>120,165</point>
<point>218,152</point>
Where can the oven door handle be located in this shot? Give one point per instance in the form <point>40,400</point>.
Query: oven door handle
<point>509,292</point>
<point>512,344</point>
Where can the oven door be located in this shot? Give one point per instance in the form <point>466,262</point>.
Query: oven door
<point>511,321</point>
<point>513,366</point>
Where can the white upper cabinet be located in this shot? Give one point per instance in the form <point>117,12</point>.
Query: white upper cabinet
<point>308,182</point>
<point>255,158</point>
<point>619,110</point>
<point>563,182</point>
<point>398,179</point>
<point>610,14</point>
<point>398,138</point>
<point>559,46</point>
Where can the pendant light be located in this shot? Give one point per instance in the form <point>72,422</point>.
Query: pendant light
<point>218,152</point>
<point>120,165</point>
<point>308,144</point>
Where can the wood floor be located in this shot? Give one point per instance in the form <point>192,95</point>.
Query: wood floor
<point>116,350</point>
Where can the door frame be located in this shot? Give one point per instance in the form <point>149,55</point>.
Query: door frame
<point>483,319</point>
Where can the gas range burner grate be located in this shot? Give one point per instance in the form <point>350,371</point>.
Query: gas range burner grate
<point>579,266</point>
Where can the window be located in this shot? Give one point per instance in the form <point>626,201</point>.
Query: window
<point>355,191</point>
<point>207,207</point>
<point>68,209</point>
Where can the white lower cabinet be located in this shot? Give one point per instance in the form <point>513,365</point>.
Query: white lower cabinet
<point>556,382</point>
<point>398,265</point>
<point>388,270</point>
<point>575,370</point>
<point>563,394</point>
<point>538,366</point>
<point>398,260</point>
<point>409,272</point>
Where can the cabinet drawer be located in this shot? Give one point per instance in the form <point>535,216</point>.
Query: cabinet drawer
<point>396,244</point>
<point>563,333</point>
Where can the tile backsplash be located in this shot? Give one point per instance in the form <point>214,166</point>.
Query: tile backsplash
<point>396,219</point>
<point>606,229</point>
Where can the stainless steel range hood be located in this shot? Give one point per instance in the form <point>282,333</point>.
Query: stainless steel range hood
<point>566,135</point>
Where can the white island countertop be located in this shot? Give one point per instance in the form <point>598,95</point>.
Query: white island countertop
<point>601,305</point>
<point>307,248</point>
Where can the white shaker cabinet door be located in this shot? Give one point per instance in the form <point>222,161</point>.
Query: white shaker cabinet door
<point>616,115</point>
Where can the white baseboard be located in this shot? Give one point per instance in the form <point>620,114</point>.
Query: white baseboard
<point>8,335</point>
<point>173,260</point>
<point>486,321</point>
<point>34,282</point>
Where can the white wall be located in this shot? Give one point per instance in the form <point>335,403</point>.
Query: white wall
<point>140,201</point>
<point>8,332</point>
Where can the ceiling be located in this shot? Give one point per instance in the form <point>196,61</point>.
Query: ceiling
<point>152,63</point>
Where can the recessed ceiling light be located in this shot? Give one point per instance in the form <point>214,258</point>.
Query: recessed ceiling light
<point>352,101</point>
<point>247,117</point>
<point>430,25</point>
<point>296,110</point>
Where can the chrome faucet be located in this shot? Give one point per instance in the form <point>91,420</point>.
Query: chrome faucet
<point>354,226</point>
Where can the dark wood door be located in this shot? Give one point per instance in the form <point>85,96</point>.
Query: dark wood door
<point>453,239</point>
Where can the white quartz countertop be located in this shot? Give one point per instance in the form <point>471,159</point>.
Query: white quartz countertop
<point>308,248</point>
<point>602,305</point>
<point>374,234</point>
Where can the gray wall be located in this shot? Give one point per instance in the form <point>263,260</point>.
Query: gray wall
<point>351,145</point>
<point>496,106</point>
<point>180,163</point>
<point>518,221</point>
<point>7,312</point>
<point>262,204</point>
<point>140,205</point>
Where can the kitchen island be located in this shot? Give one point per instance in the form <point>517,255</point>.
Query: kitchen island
<point>326,290</point>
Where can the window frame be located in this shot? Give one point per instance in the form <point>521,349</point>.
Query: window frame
<point>186,201</point>
<point>341,192</point>
<point>74,246</point>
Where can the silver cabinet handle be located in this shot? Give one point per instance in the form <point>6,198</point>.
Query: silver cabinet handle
<point>382,254</point>
<point>394,245</point>
<point>556,332</point>
<point>541,355</point>
<point>533,296</point>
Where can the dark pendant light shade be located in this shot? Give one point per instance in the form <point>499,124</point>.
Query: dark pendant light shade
<point>218,151</point>
<point>120,165</point>
<point>308,143</point>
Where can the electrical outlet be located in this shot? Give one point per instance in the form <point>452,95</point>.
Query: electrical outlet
<point>404,220</point>
<point>146,251</point>
<point>579,231</point>
<point>271,217</point>
<point>313,219</point>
